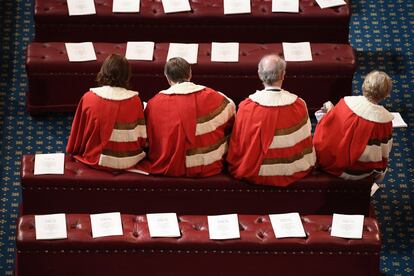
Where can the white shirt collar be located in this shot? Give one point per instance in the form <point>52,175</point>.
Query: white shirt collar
<point>270,98</point>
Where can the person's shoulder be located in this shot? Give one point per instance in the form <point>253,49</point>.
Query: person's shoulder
<point>89,99</point>
<point>363,108</point>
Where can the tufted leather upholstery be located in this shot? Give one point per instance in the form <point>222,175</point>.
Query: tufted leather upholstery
<point>53,23</point>
<point>55,84</point>
<point>82,190</point>
<point>257,252</point>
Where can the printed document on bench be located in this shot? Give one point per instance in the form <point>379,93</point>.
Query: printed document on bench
<point>50,227</point>
<point>49,163</point>
<point>78,52</point>
<point>300,51</point>
<point>223,227</point>
<point>187,51</point>
<point>330,3</point>
<point>225,52</point>
<point>140,50</point>
<point>287,225</point>
<point>236,6</point>
<point>171,6</point>
<point>347,226</point>
<point>285,6</point>
<point>125,6</point>
<point>81,7</point>
<point>106,224</point>
<point>163,225</point>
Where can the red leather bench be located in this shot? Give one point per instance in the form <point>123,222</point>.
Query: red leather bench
<point>85,190</point>
<point>55,84</point>
<point>257,252</point>
<point>206,22</point>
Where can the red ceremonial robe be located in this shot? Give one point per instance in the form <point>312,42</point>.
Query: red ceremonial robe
<point>271,142</point>
<point>108,130</point>
<point>354,139</point>
<point>187,127</point>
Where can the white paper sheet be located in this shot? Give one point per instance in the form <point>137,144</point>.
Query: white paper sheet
<point>143,50</point>
<point>347,226</point>
<point>187,51</point>
<point>125,6</point>
<point>163,225</point>
<point>330,3</point>
<point>237,6</point>
<point>49,163</point>
<point>398,120</point>
<point>78,52</point>
<point>287,225</point>
<point>374,188</point>
<point>106,224</point>
<point>81,7</point>
<point>223,227</point>
<point>171,6</point>
<point>50,227</point>
<point>300,51</point>
<point>285,6</point>
<point>225,52</point>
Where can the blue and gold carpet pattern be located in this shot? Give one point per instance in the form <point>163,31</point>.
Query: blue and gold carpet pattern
<point>382,32</point>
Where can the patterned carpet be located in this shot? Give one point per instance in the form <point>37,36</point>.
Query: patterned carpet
<point>382,32</point>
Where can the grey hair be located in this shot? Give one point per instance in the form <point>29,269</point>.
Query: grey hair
<point>271,69</point>
<point>377,86</point>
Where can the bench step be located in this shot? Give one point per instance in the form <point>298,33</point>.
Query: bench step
<point>55,84</point>
<point>257,252</point>
<point>85,190</point>
<point>206,22</point>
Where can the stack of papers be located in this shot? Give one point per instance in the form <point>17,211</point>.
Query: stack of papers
<point>140,50</point>
<point>285,6</point>
<point>106,224</point>
<point>171,6</point>
<point>78,52</point>
<point>237,6</point>
<point>223,227</point>
<point>163,225</point>
<point>398,120</point>
<point>50,227</point>
<point>347,226</point>
<point>188,52</point>
<point>287,225</point>
<point>225,52</point>
<point>300,51</point>
<point>51,163</point>
<point>125,5</point>
<point>81,7</point>
<point>330,3</point>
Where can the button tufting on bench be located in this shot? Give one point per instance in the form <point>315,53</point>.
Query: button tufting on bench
<point>135,246</point>
<point>320,24</point>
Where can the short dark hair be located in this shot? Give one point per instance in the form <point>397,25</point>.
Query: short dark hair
<point>115,71</point>
<point>177,70</point>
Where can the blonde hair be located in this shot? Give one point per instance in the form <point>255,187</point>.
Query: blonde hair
<point>377,86</point>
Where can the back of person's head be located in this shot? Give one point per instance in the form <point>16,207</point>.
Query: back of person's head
<point>271,69</point>
<point>377,86</point>
<point>177,70</point>
<point>115,71</point>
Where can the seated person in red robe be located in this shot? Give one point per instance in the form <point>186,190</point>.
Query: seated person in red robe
<point>353,140</point>
<point>108,130</point>
<point>187,125</point>
<point>271,142</point>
